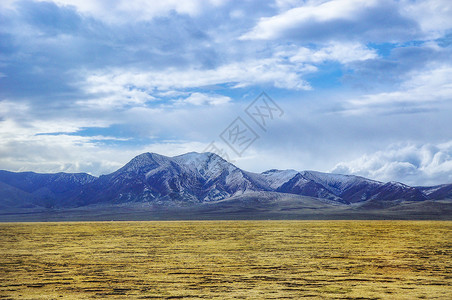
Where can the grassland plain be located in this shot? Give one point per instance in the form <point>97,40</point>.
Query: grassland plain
<point>227,259</point>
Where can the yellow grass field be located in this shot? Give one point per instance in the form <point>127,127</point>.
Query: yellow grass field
<point>227,260</point>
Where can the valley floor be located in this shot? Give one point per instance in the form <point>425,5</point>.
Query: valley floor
<point>227,259</point>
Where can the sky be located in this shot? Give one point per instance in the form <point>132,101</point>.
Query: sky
<point>359,87</point>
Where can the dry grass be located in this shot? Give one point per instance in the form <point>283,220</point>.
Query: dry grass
<point>230,259</point>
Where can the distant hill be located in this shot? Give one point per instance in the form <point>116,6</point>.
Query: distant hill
<point>205,184</point>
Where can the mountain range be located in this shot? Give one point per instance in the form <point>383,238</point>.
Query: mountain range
<point>197,185</point>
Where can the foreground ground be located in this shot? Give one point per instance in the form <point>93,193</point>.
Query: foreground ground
<point>227,259</point>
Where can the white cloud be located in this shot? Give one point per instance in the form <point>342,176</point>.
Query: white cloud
<point>433,16</point>
<point>70,152</point>
<point>204,99</point>
<point>106,95</point>
<point>143,85</point>
<point>47,153</point>
<point>18,122</point>
<point>340,52</point>
<point>67,153</point>
<point>8,108</point>
<point>284,5</point>
<point>125,86</point>
<point>424,87</point>
<point>137,10</point>
<point>171,94</point>
<point>7,4</point>
<point>237,14</point>
<point>427,164</point>
<point>114,88</point>
<point>273,27</point>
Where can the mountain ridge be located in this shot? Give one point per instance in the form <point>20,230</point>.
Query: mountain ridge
<point>194,179</point>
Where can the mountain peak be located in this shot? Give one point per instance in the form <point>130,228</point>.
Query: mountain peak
<point>196,158</point>
<point>197,155</point>
<point>398,184</point>
<point>276,178</point>
<point>206,163</point>
<point>144,161</point>
<point>197,178</point>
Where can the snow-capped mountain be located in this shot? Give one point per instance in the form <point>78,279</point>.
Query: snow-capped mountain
<point>276,178</point>
<point>195,178</point>
<point>437,192</point>
<point>340,184</point>
<point>190,178</point>
<point>337,187</point>
<point>300,185</point>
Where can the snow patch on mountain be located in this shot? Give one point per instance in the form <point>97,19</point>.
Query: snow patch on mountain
<point>276,178</point>
<point>208,165</point>
<point>143,161</point>
<point>430,190</point>
<point>337,183</point>
<point>399,184</point>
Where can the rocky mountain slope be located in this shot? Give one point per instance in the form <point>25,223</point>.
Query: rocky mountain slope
<point>193,179</point>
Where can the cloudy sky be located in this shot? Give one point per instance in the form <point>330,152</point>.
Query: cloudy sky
<point>361,86</point>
